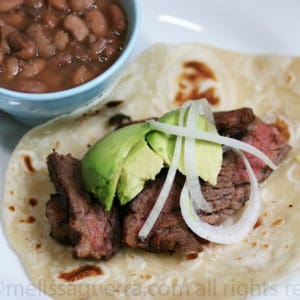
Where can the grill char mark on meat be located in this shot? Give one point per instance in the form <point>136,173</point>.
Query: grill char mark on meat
<point>73,216</point>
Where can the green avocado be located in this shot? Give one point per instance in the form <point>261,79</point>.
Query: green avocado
<point>141,164</point>
<point>208,155</point>
<point>121,162</point>
<point>102,165</point>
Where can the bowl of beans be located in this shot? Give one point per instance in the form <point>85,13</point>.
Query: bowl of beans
<point>57,55</point>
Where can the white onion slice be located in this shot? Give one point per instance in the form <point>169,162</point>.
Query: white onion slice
<point>192,178</point>
<point>207,111</point>
<point>164,193</point>
<point>212,137</point>
<point>224,234</point>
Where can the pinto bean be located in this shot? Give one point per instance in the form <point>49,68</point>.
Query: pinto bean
<point>81,75</point>
<point>30,86</point>
<point>35,4</point>
<point>9,5</point>
<point>118,18</point>
<point>98,47</point>
<point>50,19</point>
<point>102,4</point>
<point>32,67</point>
<point>92,38</point>
<point>11,67</point>
<point>76,27</point>
<point>61,59</point>
<point>20,44</point>
<point>61,40</point>
<point>79,5</point>
<point>78,51</point>
<point>5,31</point>
<point>1,57</point>
<point>58,4</point>
<point>15,19</point>
<point>96,22</point>
<point>43,41</point>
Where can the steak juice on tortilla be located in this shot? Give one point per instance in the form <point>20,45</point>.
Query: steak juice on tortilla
<point>115,218</point>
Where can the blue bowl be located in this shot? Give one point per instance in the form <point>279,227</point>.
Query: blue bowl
<point>34,109</point>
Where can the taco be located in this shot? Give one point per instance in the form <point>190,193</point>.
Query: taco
<point>161,80</point>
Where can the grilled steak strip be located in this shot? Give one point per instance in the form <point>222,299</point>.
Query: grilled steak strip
<point>95,233</point>
<point>73,216</point>
<point>226,197</point>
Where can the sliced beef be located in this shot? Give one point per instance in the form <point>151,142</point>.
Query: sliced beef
<point>74,217</point>
<point>95,233</point>
<point>226,197</point>
<point>234,123</point>
<point>57,212</point>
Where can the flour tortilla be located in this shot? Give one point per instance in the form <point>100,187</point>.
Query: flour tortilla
<point>268,84</point>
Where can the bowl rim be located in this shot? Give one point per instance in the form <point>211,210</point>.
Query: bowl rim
<point>89,85</point>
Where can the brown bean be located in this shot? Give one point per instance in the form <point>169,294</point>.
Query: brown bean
<point>98,47</point>
<point>79,5</point>
<point>109,51</point>
<point>118,18</point>
<point>5,31</point>
<point>76,27</point>
<point>30,86</point>
<point>42,39</point>
<point>61,40</point>
<point>60,59</point>
<point>79,51</point>
<point>81,75</point>
<point>21,45</point>
<point>58,4</point>
<point>15,19</point>
<point>92,38</point>
<point>102,4</point>
<point>50,19</point>
<point>35,4</point>
<point>32,67</point>
<point>2,23</point>
<point>1,57</point>
<point>96,22</point>
<point>9,5</point>
<point>11,67</point>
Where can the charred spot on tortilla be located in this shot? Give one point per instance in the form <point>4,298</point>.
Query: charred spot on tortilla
<point>12,208</point>
<point>191,80</point>
<point>88,115</point>
<point>28,163</point>
<point>81,273</point>
<point>33,202</point>
<point>258,223</point>
<point>192,255</point>
<point>119,120</point>
<point>283,128</point>
<point>201,69</point>
<point>278,222</point>
<point>38,246</point>
<point>114,103</point>
<point>11,192</point>
<point>28,220</point>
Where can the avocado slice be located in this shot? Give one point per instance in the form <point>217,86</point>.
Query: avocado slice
<point>141,164</point>
<point>209,155</point>
<point>101,166</point>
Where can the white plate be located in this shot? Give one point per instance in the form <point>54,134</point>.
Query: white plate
<point>256,26</point>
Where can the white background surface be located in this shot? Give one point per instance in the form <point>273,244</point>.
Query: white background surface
<point>254,26</point>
